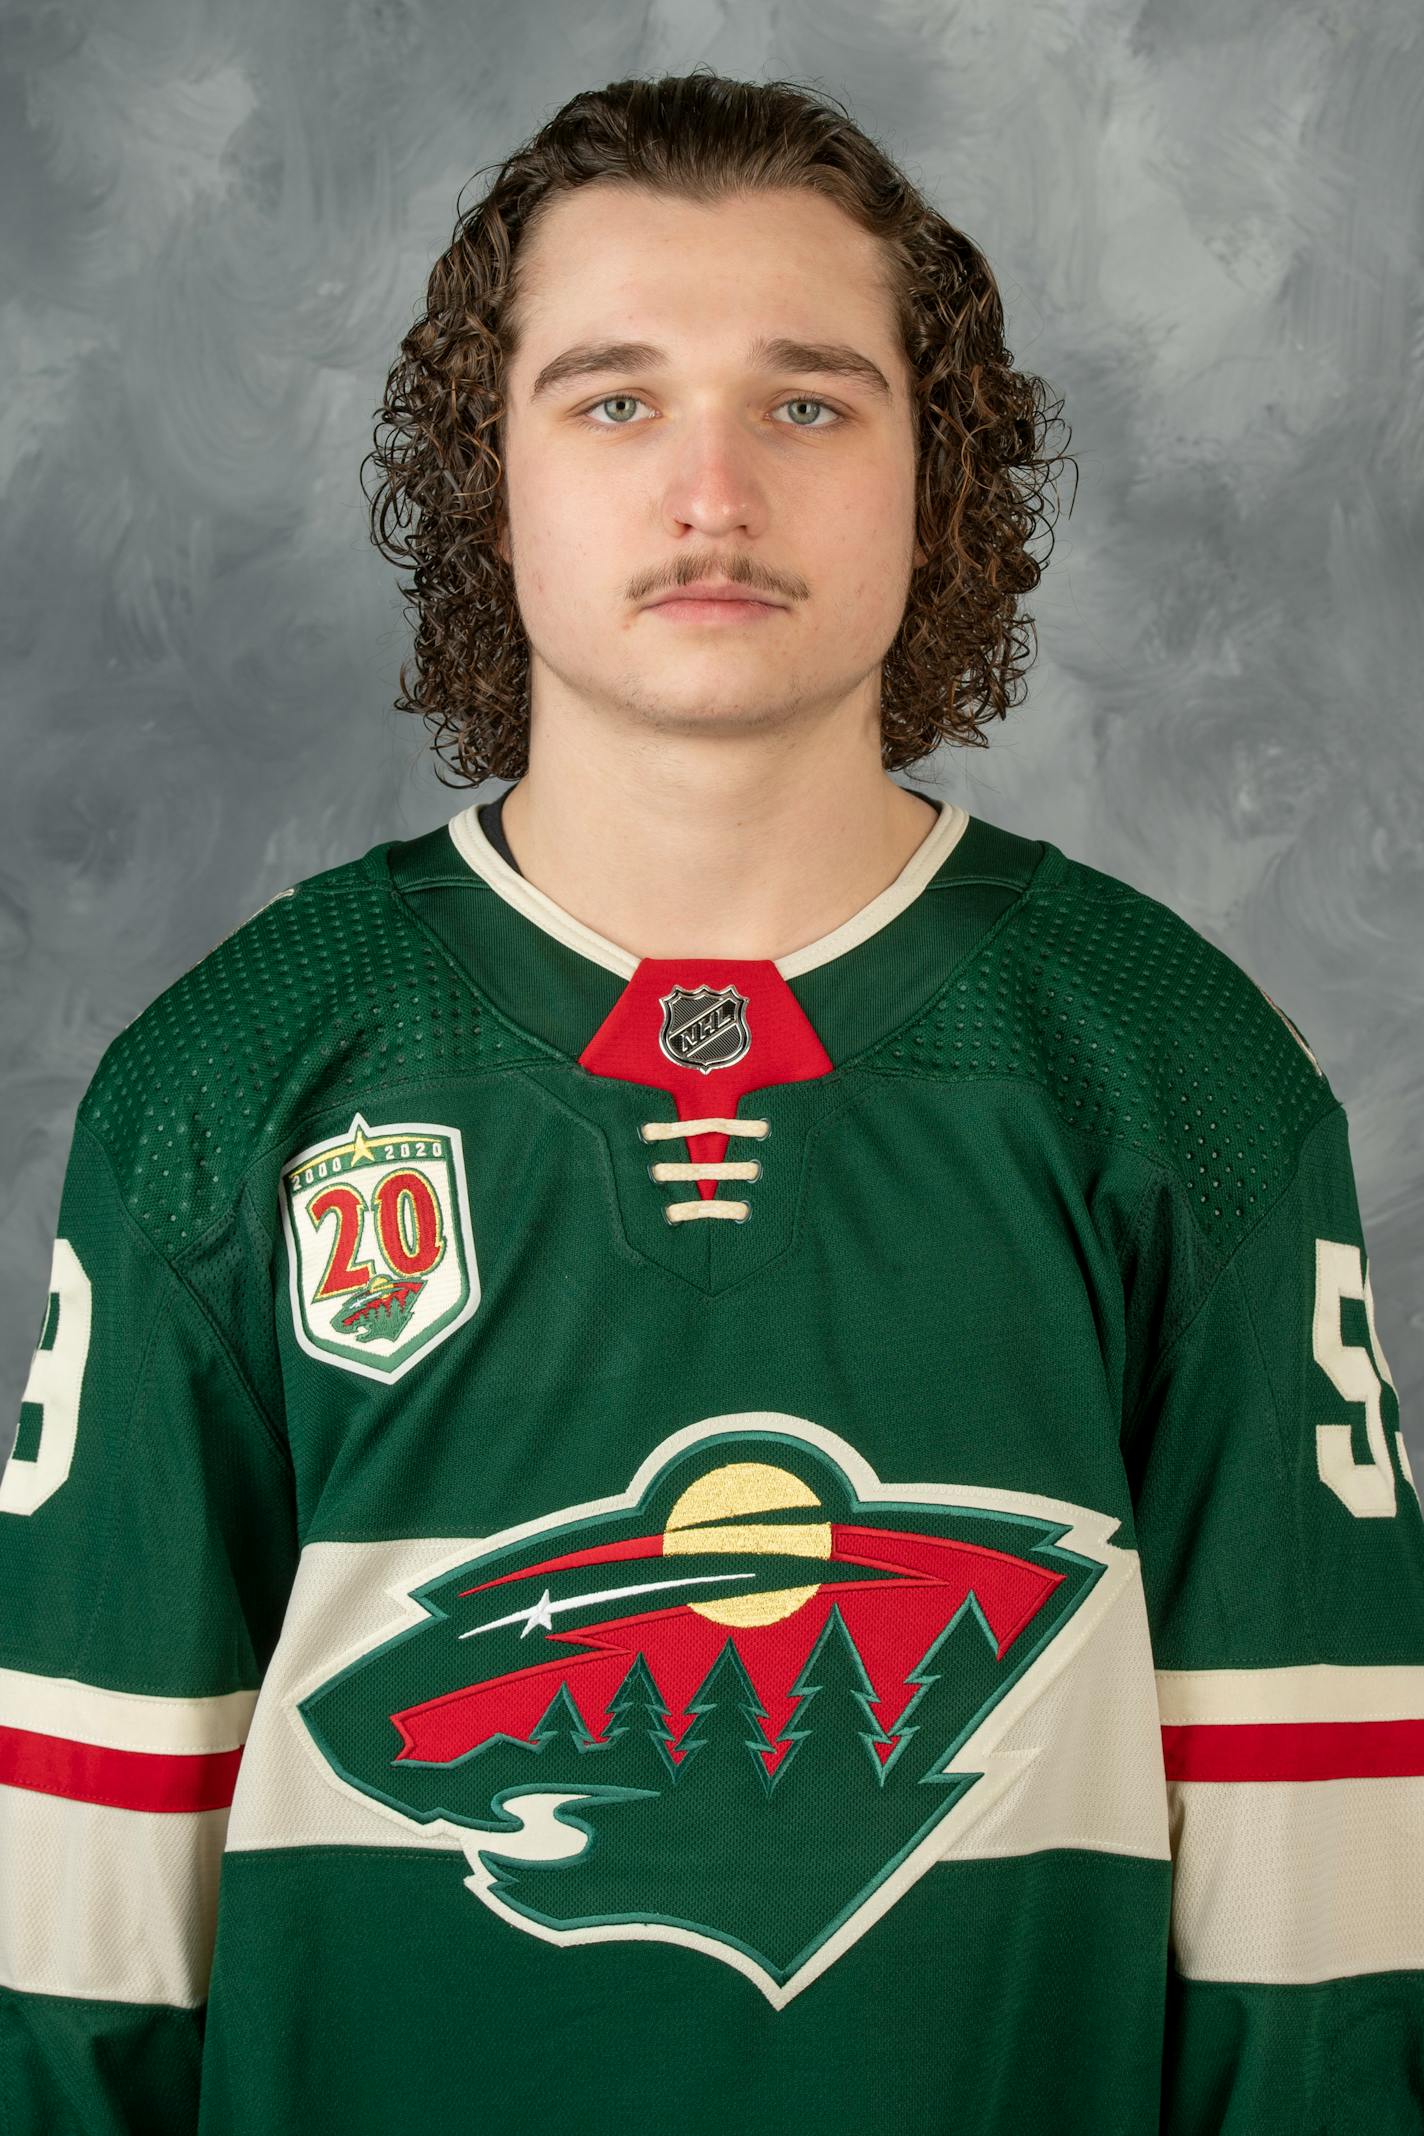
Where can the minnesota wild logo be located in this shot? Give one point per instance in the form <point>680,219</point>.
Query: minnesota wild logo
<point>378,1244</point>
<point>383,1308</point>
<point>738,1706</point>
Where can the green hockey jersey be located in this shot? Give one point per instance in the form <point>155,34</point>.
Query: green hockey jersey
<point>706,1544</point>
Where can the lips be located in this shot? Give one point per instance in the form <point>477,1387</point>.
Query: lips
<point>738,594</point>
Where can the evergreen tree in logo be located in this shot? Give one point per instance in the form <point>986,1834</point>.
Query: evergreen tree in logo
<point>836,1732</point>
<point>638,1732</point>
<point>725,1746</point>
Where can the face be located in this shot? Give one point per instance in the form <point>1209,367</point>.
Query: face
<point>632,472</point>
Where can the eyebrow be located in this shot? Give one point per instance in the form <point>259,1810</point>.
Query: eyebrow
<point>833,359</point>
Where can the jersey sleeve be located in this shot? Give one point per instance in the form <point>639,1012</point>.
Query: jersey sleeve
<point>1282,1554</point>
<point>147,1547</point>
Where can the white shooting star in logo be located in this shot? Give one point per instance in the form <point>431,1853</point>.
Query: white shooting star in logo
<point>542,1611</point>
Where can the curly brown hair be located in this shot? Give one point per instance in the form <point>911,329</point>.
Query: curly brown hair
<point>960,653</point>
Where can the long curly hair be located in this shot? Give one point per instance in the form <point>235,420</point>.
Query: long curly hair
<point>959,656</point>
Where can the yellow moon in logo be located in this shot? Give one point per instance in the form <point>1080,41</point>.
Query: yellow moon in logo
<point>718,1513</point>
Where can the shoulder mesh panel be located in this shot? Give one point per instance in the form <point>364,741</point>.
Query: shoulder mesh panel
<point>1140,1030</point>
<point>325,988</point>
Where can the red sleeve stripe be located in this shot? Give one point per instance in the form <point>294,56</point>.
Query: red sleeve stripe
<point>1294,1750</point>
<point>119,1779</point>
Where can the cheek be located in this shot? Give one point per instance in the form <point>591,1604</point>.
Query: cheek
<point>566,576</point>
<point>563,512</point>
<point>548,529</point>
<point>865,554</point>
<point>863,520</point>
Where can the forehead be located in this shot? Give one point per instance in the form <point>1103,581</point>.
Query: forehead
<point>612,258</point>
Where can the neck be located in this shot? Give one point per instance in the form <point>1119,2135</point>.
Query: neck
<point>664,859</point>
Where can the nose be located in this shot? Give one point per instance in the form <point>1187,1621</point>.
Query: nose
<point>712,483</point>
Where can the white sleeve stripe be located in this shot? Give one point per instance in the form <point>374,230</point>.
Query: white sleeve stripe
<point>123,1720</point>
<point>1318,1691</point>
<point>130,1917</point>
<point>1287,1883</point>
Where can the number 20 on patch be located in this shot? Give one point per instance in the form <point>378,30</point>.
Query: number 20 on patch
<point>379,1246</point>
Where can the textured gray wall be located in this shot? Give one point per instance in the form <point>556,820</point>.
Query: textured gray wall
<point>1206,219</point>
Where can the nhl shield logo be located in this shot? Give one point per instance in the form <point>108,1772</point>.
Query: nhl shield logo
<point>704,1028</point>
<point>379,1246</point>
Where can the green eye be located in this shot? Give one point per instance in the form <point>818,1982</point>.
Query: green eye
<point>634,400</point>
<point>628,400</point>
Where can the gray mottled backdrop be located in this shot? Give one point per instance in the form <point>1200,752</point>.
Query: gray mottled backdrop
<point>1207,221</point>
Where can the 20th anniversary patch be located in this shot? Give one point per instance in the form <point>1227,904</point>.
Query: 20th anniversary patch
<point>379,1245</point>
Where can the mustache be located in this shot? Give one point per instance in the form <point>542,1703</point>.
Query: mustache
<point>737,571</point>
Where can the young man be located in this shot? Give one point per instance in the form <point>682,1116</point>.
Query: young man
<point>711,1454</point>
